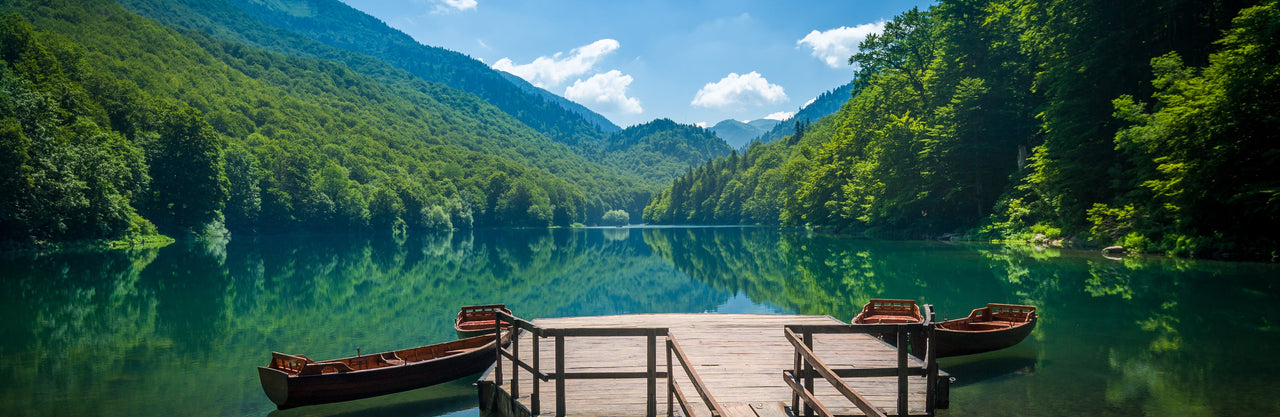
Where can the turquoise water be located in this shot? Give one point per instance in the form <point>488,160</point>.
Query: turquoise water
<point>179,330</point>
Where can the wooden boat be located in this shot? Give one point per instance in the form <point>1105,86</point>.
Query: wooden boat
<point>296,380</point>
<point>994,327</point>
<point>477,320</point>
<point>883,311</point>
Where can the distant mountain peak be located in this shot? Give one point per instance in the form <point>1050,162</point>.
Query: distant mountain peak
<point>738,134</point>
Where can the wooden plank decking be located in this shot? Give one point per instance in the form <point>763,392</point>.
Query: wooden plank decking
<point>740,358</point>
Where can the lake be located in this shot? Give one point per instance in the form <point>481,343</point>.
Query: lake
<point>180,330</point>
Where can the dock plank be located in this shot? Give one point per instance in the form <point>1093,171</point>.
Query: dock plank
<point>740,358</point>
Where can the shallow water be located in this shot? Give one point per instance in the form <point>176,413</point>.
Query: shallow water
<point>179,330</point>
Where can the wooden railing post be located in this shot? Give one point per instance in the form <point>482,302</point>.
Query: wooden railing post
<point>931,365</point>
<point>903,343</point>
<point>559,375</point>
<point>694,380</point>
<point>671,382</point>
<point>795,395</point>
<point>808,372</point>
<point>652,368</point>
<point>535,402</point>
<point>497,350</point>
<point>515,369</point>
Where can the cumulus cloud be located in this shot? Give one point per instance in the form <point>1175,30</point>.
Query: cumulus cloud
<point>835,46</point>
<point>807,103</point>
<point>450,6</point>
<point>739,90</point>
<point>701,125</point>
<point>551,71</point>
<point>606,92</point>
<point>782,115</point>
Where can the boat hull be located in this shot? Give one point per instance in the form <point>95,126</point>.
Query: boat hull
<point>950,343</point>
<point>289,391</point>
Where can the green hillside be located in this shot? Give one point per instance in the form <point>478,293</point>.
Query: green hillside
<point>661,150</point>
<point>1149,124</point>
<point>600,122</point>
<point>110,120</point>
<point>336,24</point>
<point>823,105</point>
<point>651,168</point>
<point>738,134</point>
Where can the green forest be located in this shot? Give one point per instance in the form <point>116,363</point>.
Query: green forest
<point>1147,124</point>
<point>1143,124</point>
<point>115,127</point>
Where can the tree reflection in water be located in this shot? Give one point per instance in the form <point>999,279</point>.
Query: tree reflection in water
<point>142,332</point>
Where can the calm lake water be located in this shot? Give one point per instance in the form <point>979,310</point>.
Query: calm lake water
<point>179,330</point>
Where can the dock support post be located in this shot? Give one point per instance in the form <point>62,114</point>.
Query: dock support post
<point>559,375</point>
<point>497,351</point>
<point>671,382</point>
<point>652,409</point>
<point>535,402</point>
<point>515,370</point>
<point>931,367</point>
<point>902,371</point>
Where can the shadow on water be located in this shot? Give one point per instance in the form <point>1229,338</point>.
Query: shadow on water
<point>435,401</point>
<point>1017,361</point>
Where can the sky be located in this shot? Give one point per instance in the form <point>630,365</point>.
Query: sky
<point>695,62</point>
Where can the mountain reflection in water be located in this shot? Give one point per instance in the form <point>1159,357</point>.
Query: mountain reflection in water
<point>180,329</point>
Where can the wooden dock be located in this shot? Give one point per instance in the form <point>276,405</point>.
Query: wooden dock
<point>739,359</point>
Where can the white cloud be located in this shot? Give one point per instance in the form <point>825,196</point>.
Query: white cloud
<point>451,6</point>
<point>835,46</point>
<point>780,116</point>
<point>551,71</point>
<point>607,92</point>
<point>739,90</point>
<point>807,103</point>
<point>701,125</point>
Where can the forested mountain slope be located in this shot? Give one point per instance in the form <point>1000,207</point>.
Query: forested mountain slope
<point>739,134</point>
<point>661,150</point>
<point>600,122</point>
<point>224,20</point>
<point>1151,124</point>
<point>823,105</point>
<point>336,24</point>
<point>109,120</point>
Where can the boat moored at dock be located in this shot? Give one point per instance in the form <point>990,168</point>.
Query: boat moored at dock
<point>994,327</point>
<point>296,380</point>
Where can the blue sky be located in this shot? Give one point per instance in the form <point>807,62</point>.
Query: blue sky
<point>634,61</point>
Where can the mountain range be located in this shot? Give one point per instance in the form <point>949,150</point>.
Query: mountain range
<point>738,133</point>
<point>296,125</point>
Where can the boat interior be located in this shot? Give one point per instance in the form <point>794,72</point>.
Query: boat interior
<point>302,365</point>
<point>992,317</point>
<point>890,312</point>
<point>480,317</point>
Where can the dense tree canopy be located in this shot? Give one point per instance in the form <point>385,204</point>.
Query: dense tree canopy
<point>1011,118</point>
<point>110,122</point>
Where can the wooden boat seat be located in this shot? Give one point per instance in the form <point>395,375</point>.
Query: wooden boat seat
<point>995,325</point>
<point>889,319</point>
<point>392,359</point>
<point>463,350</point>
<point>325,368</point>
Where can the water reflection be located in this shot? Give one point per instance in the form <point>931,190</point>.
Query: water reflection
<point>143,332</point>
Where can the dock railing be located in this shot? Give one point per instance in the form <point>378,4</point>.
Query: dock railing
<point>651,372</point>
<point>673,389</point>
<point>807,366</point>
